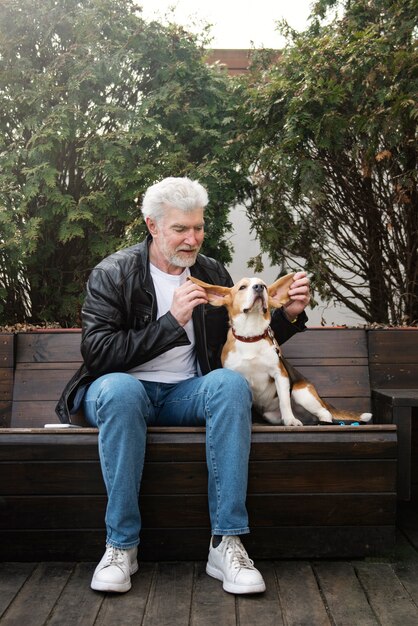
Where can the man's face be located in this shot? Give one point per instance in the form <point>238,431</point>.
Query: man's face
<point>177,237</point>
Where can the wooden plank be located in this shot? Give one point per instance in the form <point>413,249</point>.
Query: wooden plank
<point>63,345</point>
<point>40,384</point>
<point>6,384</point>
<point>5,414</point>
<point>296,582</point>
<point>161,544</point>
<point>191,478</point>
<point>53,365</point>
<point>35,601</point>
<point>6,350</point>
<point>343,594</point>
<point>301,542</point>
<point>44,445</point>
<point>170,596</point>
<point>354,444</point>
<point>36,413</point>
<point>396,376</point>
<point>77,604</point>
<point>53,545</point>
<point>12,578</point>
<point>168,443</point>
<point>47,478</point>
<point>179,511</point>
<point>387,596</point>
<point>393,355</point>
<point>211,606</point>
<point>48,347</point>
<point>276,510</point>
<point>407,572</point>
<point>396,345</point>
<point>322,476</point>
<point>128,608</point>
<point>182,443</point>
<point>338,381</point>
<point>263,608</point>
<point>329,361</point>
<point>327,342</point>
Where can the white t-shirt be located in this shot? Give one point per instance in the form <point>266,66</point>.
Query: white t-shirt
<point>178,363</point>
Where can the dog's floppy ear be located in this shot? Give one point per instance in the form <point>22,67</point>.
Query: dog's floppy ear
<point>278,291</point>
<point>217,295</point>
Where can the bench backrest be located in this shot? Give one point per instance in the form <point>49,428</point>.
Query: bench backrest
<point>6,377</point>
<point>335,360</point>
<point>393,358</point>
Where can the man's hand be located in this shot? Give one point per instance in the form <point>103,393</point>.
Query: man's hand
<point>185,299</point>
<point>299,295</point>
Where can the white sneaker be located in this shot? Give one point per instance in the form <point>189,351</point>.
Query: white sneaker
<point>230,563</point>
<point>114,571</point>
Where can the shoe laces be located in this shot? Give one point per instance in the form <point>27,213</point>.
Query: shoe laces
<point>114,556</point>
<point>238,554</point>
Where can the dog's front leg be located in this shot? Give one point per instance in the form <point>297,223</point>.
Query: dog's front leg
<point>281,380</point>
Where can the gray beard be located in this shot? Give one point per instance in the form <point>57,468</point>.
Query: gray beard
<point>181,262</point>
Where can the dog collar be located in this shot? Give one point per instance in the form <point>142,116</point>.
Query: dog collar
<point>250,339</point>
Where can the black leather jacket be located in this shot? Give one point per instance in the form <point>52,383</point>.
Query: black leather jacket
<point>120,328</point>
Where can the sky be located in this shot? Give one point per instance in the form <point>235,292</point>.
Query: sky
<point>235,23</point>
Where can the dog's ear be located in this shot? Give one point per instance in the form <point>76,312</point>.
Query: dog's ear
<point>278,291</point>
<point>217,295</point>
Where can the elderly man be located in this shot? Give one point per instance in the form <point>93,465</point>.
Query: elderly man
<point>151,347</point>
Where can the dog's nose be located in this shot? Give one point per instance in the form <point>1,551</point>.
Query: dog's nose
<point>258,288</point>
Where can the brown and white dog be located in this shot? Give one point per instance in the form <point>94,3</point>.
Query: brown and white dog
<point>251,349</point>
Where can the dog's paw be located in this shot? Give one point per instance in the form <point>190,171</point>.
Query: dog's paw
<point>324,416</point>
<point>292,421</point>
<point>365,418</point>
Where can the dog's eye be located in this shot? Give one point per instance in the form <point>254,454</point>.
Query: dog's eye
<point>242,287</point>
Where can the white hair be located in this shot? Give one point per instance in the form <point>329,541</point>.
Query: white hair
<point>180,193</point>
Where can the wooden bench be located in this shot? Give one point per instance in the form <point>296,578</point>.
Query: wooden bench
<point>393,356</point>
<point>315,491</point>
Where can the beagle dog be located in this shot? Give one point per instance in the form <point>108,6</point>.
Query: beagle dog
<point>278,389</point>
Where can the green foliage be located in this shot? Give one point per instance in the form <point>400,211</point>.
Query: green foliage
<point>96,105</point>
<point>330,140</point>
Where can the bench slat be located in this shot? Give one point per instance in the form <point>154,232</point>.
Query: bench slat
<point>178,511</point>
<point>335,381</point>
<point>49,347</point>
<point>327,342</point>
<point>326,476</point>
<point>162,544</point>
<point>6,378</point>
<point>397,345</point>
<point>6,350</point>
<point>37,413</point>
<point>394,375</point>
<point>165,444</point>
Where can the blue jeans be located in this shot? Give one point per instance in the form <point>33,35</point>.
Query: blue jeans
<point>122,407</point>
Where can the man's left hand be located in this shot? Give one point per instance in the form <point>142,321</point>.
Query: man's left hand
<point>299,295</point>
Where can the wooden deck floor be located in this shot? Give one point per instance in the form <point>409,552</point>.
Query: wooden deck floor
<point>313,593</point>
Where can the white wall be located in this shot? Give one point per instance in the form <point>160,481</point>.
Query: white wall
<point>246,246</point>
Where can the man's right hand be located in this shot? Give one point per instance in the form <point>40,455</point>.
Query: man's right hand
<point>185,299</point>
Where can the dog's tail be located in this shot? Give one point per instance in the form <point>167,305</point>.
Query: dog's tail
<point>348,417</point>
<point>325,412</point>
